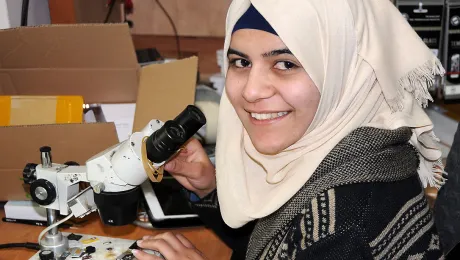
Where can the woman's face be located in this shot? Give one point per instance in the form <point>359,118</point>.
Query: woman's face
<point>272,94</point>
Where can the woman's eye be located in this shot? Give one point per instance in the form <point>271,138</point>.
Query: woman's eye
<point>285,65</point>
<point>240,63</point>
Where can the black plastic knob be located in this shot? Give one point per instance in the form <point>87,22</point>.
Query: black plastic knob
<point>90,249</point>
<point>72,163</point>
<point>45,149</point>
<point>29,173</point>
<point>46,255</point>
<point>43,192</point>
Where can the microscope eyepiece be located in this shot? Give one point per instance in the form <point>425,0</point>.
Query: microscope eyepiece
<point>162,144</point>
<point>165,142</point>
<point>191,119</point>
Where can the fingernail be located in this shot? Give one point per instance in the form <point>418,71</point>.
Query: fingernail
<point>139,242</point>
<point>145,237</point>
<point>135,252</point>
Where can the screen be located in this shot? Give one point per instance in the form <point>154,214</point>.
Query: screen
<point>171,196</point>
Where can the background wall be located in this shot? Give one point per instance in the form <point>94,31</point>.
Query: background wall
<point>95,11</point>
<point>199,18</point>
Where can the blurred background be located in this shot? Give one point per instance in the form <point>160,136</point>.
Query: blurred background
<point>169,26</point>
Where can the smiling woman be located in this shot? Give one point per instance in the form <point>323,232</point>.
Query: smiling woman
<point>272,94</point>
<point>323,146</point>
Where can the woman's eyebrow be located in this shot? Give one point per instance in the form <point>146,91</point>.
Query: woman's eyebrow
<point>276,52</point>
<point>265,55</point>
<point>233,51</point>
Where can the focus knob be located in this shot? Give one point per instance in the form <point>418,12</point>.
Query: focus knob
<point>46,255</point>
<point>43,192</point>
<point>29,173</point>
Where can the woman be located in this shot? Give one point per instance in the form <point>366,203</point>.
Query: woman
<point>321,135</point>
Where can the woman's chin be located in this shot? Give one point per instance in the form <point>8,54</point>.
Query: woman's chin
<point>270,141</point>
<point>268,149</point>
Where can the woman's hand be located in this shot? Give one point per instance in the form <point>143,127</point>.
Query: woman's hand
<point>171,246</point>
<point>193,169</point>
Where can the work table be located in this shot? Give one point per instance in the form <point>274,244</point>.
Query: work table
<point>204,239</point>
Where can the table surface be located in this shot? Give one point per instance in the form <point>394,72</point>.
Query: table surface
<point>204,239</point>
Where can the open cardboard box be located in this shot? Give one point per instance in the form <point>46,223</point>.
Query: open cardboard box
<point>97,62</point>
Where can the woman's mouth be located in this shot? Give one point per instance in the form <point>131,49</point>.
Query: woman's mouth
<point>263,118</point>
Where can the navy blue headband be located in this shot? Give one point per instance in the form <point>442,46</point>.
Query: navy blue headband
<point>252,19</point>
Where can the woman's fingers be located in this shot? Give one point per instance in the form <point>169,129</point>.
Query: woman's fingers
<point>171,246</point>
<point>182,168</point>
<point>140,255</point>
<point>159,245</point>
<point>185,241</point>
<point>181,238</point>
<point>172,240</point>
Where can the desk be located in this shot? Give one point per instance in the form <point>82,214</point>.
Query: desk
<point>202,238</point>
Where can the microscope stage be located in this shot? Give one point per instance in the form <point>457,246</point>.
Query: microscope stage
<point>107,248</point>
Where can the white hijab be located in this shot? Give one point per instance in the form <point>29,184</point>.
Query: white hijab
<point>371,69</point>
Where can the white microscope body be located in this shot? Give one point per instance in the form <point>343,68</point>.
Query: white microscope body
<point>114,176</point>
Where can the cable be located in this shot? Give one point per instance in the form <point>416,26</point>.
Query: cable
<point>24,12</point>
<point>111,5</point>
<point>179,54</point>
<point>53,226</point>
<point>33,246</point>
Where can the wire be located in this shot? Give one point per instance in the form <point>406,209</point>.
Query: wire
<point>111,5</point>
<point>27,245</point>
<point>179,54</point>
<point>24,12</point>
<point>53,226</point>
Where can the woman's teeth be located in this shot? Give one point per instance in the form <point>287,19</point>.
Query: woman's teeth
<point>268,115</point>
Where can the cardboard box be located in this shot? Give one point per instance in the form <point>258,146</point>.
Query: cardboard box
<point>69,142</point>
<point>97,62</point>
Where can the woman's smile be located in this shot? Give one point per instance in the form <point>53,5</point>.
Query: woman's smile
<point>269,117</point>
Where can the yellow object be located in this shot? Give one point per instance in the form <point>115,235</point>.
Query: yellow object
<point>5,110</point>
<point>90,240</point>
<point>33,110</point>
<point>154,174</point>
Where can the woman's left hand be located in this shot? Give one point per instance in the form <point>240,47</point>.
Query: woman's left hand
<point>171,246</point>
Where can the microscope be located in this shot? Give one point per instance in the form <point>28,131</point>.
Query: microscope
<point>114,177</point>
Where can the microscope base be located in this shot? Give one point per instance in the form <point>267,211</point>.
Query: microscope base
<point>56,243</point>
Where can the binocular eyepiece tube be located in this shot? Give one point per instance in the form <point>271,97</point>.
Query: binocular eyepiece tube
<point>165,142</point>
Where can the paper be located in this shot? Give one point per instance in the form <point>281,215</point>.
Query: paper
<point>122,115</point>
<point>124,128</point>
<point>89,117</point>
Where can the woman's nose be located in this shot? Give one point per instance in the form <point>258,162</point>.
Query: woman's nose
<point>258,86</point>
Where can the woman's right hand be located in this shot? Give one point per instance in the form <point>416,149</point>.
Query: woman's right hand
<point>193,169</point>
